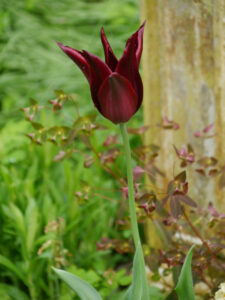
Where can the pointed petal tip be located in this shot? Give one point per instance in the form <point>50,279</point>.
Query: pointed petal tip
<point>60,45</point>
<point>143,24</point>
<point>102,30</point>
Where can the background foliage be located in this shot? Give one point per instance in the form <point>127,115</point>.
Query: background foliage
<point>37,193</point>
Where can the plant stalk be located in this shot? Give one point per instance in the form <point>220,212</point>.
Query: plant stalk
<point>132,209</point>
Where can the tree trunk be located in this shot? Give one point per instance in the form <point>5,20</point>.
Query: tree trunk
<point>184,80</point>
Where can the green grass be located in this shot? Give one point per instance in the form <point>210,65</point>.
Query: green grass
<point>33,188</point>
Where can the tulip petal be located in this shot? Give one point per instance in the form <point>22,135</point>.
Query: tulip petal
<point>138,36</point>
<point>78,58</point>
<point>128,68</point>
<point>98,73</point>
<point>117,98</point>
<point>110,57</point>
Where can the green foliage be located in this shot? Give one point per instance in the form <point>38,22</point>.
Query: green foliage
<point>81,287</point>
<point>185,288</point>
<point>138,290</point>
<point>36,192</point>
<point>32,65</point>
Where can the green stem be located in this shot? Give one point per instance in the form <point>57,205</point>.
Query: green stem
<point>132,209</point>
<point>133,216</point>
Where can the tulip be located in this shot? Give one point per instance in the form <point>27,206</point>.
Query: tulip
<point>116,86</point>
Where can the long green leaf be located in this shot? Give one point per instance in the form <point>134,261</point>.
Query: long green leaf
<point>137,284</point>
<point>139,287</point>
<point>84,290</point>
<point>185,287</point>
<point>12,267</point>
<point>127,295</point>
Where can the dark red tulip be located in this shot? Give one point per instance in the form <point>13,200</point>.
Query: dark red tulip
<point>116,86</point>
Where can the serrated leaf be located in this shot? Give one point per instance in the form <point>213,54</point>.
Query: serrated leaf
<point>83,289</point>
<point>185,287</point>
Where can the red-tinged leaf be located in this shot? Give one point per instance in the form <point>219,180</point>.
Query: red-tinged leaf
<point>52,139</point>
<point>138,173</point>
<point>176,150</point>
<point>212,210</point>
<point>197,134</point>
<point>57,105</point>
<point>29,118</point>
<point>207,161</point>
<point>181,177</point>
<point>63,154</point>
<point>183,164</point>
<point>110,140</point>
<point>87,128</point>
<point>139,130</point>
<point>33,102</point>
<point>125,191</point>
<point>176,126</point>
<point>146,197</point>
<point>26,110</point>
<point>37,126</point>
<point>37,141</point>
<point>185,187</point>
<point>190,149</point>
<point>213,172</point>
<point>30,136</point>
<point>168,124</point>
<point>171,187</point>
<point>200,171</point>
<point>208,128</point>
<point>88,161</point>
<point>175,207</point>
<point>222,181</point>
<point>61,95</point>
<point>81,198</point>
<point>109,156</point>
<point>187,200</point>
<point>165,200</point>
<point>58,93</point>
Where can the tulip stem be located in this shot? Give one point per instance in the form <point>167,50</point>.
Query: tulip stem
<point>132,209</point>
<point>133,216</point>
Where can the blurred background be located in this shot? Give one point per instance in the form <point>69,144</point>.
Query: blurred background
<point>40,218</point>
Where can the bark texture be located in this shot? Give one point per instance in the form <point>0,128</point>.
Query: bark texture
<point>184,79</point>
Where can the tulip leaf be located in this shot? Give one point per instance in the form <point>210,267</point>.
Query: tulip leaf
<point>83,289</point>
<point>185,287</point>
<point>139,288</point>
<point>136,288</point>
<point>127,295</point>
